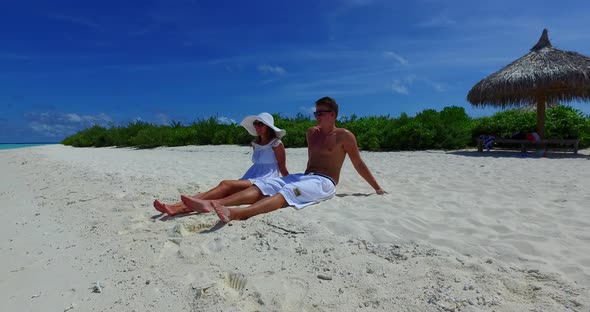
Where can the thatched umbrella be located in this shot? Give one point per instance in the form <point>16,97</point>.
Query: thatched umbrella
<point>545,74</point>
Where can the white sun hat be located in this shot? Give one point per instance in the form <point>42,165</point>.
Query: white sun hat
<point>266,119</point>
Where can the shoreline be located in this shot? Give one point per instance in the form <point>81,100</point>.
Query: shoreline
<point>8,146</point>
<point>455,231</point>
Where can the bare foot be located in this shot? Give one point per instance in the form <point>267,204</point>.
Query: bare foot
<point>159,206</point>
<point>222,212</point>
<point>171,210</point>
<point>198,205</point>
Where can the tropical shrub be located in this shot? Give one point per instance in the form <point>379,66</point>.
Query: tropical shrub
<point>566,122</point>
<point>450,128</point>
<point>506,123</point>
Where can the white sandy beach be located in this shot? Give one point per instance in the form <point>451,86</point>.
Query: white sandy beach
<point>457,232</point>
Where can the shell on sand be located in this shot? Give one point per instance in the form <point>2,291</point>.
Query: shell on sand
<point>236,281</point>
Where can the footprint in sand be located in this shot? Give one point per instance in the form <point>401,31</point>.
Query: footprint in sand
<point>128,207</point>
<point>280,292</point>
<point>194,226</point>
<point>229,293</point>
<point>135,223</point>
<point>231,288</point>
<point>168,251</point>
<point>198,249</point>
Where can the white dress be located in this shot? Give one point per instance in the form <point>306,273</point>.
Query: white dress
<point>265,161</point>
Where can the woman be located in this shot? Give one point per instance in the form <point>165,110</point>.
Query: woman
<point>269,160</point>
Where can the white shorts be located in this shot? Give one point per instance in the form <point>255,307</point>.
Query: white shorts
<point>299,190</point>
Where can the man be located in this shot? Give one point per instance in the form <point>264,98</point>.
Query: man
<point>327,146</point>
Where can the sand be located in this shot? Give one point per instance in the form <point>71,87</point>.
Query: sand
<point>458,231</point>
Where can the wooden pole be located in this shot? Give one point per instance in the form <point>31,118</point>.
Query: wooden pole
<point>541,116</point>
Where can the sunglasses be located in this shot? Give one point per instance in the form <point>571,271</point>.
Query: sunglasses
<point>320,112</point>
<point>258,124</point>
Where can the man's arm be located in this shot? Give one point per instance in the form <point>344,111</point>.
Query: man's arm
<point>351,148</point>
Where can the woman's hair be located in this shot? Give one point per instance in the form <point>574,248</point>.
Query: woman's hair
<point>271,133</point>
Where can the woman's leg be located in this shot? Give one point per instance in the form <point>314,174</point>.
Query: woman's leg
<point>247,196</point>
<point>223,189</point>
<point>171,209</point>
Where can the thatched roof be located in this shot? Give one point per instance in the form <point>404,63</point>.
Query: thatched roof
<point>533,107</point>
<point>558,76</point>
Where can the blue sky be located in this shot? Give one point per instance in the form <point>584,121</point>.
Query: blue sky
<point>65,65</point>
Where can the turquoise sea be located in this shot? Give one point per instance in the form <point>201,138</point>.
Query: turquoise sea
<point>4,146</point>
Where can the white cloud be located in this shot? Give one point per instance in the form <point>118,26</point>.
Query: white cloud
<point>396,57</point>
<point>437,86</point>
<point>277,70</point>
<point>52,131</point>
<point>410,78</point>
<point>307,109</point>
<point>402,86</point>
<point>55,125</point>
<point>162,119</point>
<point>73,117</point>
<point>399,87</point>
<point>225,120</point>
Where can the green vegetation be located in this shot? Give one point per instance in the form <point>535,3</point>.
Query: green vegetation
<point>562,122</point>
<point>450,128</point>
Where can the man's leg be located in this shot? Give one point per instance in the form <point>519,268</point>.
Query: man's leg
<point>247,196</point>
<point>264,205</point>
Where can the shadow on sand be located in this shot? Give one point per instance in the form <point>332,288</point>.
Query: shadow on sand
<point>354,194</point>
<point>512,154</point>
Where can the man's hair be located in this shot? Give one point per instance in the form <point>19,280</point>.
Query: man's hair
<point>329,103</point>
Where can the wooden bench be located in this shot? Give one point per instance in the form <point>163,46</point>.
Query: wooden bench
<point>524,143</point>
